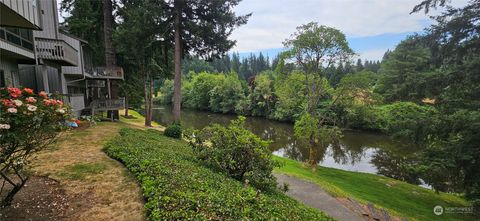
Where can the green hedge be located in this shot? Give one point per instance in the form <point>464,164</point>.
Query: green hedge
<point>177,187</point>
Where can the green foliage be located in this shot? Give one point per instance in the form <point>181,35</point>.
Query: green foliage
<point>315,47</point>
<point>29,122</point>
<point>225,95</point>
<point>262,95</point>
<point>407,120</point>
<point>291,97</point>
<point>198,94</point>
<point>407,74</point>
<point>401,198</point>
<point>196,65</point>
<point>166,92</point>
<point>79,171</point>
<point>237,152</point>
<point>178,187</point>
<point>173,130</point>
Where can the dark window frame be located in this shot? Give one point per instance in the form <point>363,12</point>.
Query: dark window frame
<point>3,82</point>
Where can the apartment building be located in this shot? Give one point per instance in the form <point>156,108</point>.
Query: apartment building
<point>36,53</point>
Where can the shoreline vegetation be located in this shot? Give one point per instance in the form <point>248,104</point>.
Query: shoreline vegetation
<point>398,197</point>
<point>177,186</point>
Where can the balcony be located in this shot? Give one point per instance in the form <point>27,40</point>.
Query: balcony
<point>20,14</point>
<point>107,104</point>
<point>106,73</point>
<point>56,50</point>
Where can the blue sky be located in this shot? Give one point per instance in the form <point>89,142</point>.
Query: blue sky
<point>371,26</point>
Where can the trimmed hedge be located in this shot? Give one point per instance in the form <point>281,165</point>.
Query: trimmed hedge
<point>178,187</point>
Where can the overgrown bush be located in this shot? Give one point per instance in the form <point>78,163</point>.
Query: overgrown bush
<point>406,120</point>
<point>28,123</point>
<point>179,187</point>
<point>237,152</point>
<point>173,130</point>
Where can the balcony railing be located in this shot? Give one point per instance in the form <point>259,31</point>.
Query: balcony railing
<point>56,50</point>
<point>108,104</point>
<point>104,72</point>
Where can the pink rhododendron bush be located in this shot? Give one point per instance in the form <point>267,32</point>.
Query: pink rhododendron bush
<point>28,123</point>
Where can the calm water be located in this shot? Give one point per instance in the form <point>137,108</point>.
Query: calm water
<point>358,151</point>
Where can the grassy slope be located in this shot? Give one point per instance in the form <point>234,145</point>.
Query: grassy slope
<point>178,187</point>
<point>398,197</point>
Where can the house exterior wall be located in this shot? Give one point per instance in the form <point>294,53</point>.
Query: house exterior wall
<point>10,71</point>
<point>49,17</point>
<point>20,13</point>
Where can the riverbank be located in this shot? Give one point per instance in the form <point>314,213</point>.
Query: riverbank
<point>399,198</point>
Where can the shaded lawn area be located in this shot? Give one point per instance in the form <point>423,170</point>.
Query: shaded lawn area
<point>400,198</point>
<point>178,187</point>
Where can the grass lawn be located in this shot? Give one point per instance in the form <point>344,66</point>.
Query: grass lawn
<point>178,187</point>
<point>400,198</point>
<point>97,187</point>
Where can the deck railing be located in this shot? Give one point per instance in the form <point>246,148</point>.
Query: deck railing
<point>58,50</point>
<point>104,72</point>
<point>108,104</point>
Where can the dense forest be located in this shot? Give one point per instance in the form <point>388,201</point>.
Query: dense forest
<point>426,89</point>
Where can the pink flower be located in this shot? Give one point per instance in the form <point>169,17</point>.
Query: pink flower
<point>7,102</point>
<point>12,110</point>
<point>31,108</point>
<point>43,94</point>
<point>14,92</point>
<point>4,126</point>
<point>47,102</point>
<point>18,103</point>
<point>60,103</point>
<point>28,90</point>
<point>31,100</point>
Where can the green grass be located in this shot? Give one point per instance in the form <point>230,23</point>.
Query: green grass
<point>135,118</point>
<point>400,198</point>
<point>177,186</point>
<point>80,170</point>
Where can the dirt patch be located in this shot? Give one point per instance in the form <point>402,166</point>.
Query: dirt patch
<point>98,187</point>
<point>41,199</point>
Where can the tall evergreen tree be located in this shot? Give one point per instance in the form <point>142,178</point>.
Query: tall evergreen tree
<point>202,27</point>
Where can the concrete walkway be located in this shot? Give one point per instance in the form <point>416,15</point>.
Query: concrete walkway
<point>314,196</point>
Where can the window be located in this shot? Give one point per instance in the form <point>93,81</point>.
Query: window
<point>20,37</point>
<point>2,79</point>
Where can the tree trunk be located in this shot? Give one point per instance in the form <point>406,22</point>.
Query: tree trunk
<point>110,60</point>
<point>146,90</point>
<point>177,85</point>
<point>312,156</point>
<point>126,106</point>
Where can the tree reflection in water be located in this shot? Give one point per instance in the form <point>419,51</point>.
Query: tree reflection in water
<point>356,151</point>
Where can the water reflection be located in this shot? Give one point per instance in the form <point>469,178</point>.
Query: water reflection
<point>357,151</point>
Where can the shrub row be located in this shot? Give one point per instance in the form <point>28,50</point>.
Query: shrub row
<point>178,187</point>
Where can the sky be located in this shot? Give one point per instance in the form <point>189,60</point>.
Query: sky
<point>371,26</point>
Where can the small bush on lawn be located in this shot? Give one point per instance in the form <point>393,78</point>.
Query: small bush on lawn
<point>174,130</point>
<point>177,186</point>
<point>236,151</point>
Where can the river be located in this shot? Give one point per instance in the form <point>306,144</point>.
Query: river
<point>358,151</point>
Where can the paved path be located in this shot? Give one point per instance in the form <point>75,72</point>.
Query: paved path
<point>314,196</point>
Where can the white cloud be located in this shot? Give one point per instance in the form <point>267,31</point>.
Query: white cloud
<point>372,55</point>
<point>274,20</point>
